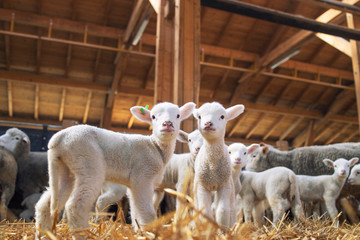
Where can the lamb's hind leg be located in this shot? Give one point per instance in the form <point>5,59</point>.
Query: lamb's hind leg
<point>87,188</point>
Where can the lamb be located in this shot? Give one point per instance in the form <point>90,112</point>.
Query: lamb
<point>81,158</point>
<point>29,204</point>
<point>326,187</point>
<point>212,164</point>
<point>110,194</point>
<point>8,171</point>
<point>354,178</point>
<point>276,188</point>
<point>32,174</point>
<point>180,166</point>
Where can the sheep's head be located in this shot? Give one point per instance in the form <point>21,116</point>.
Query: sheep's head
<point>212,119</point>
<point>165,118</point>
<point>354,178</point>
<point>256,157</point>
<point>238,155</point>
<point>341,166</point>
<point>17,142</point>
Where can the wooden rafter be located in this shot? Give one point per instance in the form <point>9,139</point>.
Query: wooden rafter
<point>298,100</point>
<point>237,124</point>
<point>62,105</point>
<point>351,136</point>
<point>338,133</point>
<point>320,134</point>
<point>132,118</point>
<point>87,107</point>
<point>39,42</point>
<point>71,36</point>
<point>337,42</point>
<point>291,128</point>
<point>36,105</point>
<point>278,121</point>
<point>257,124</point>
<point>310,134</point>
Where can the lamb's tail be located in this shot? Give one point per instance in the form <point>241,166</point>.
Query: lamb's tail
<point>295,201</point>
<point>53,180</point>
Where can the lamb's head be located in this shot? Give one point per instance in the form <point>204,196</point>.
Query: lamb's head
<point>239,153</point>
<point>17,142</point>
<point>354,178</point>
<point>212,119</point>
<point>165,118</point>
<point>255,161</point>
<point>193,139</point>
<point>341,166</point>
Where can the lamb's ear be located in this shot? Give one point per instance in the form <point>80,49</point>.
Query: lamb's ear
<point>234,111</point>
<point>141,114</point>
<point>182,137</point>
<point>252,148</point>
<point>353,161</point>
<point>328,163</point>
<point>186,110</point>
<point>265,149</point>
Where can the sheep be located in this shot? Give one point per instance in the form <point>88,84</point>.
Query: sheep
<point>29,204</point>
<point>32,174</point>
<point>326,187</point>
<point>81,158</point>
<point>276,188</point>
<point>180,166</point>
<point>212,164</point>
<point>8,171</point>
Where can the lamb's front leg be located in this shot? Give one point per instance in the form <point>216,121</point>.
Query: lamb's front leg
<point>203,200</point>
<point>225,202</point>
<point>141,202</point>
<point>331,208</point>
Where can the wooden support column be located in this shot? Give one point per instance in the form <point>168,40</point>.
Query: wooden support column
<point>164,67</point>
<point>355,47</point>
<point>187,56</point>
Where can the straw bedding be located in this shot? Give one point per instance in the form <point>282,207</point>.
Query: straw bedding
<point>188,226</point>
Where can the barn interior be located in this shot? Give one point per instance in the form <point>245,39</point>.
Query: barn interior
<point>293,64</point>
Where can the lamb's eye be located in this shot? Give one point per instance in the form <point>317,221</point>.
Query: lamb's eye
<point>17,138</point>
<point>254,156</point>
<point>189,140</point>
<point>358,172</point>
<point>178,116</point>
<point>222,117</point>
<point>153,116</point>
<point>229,152</point>
<point>244,153</point>
<point>199,117</point>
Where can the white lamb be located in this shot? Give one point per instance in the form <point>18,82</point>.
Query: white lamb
<point>110,194</point>
<point>82,158</point>
<point>180,166</point>
<point>276,188</point>
<point>326,188</point>
<point>354,178</point>
<point>212,164</point>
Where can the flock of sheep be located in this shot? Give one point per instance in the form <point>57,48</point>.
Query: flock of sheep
<point>90,166</point>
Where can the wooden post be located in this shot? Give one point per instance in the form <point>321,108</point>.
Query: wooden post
<point>355,46</point>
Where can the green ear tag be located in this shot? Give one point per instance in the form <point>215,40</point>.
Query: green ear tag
<point>143,111</point>
<point>182,135</point>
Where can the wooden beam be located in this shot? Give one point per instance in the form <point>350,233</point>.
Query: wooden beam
<point>351,136</point>
<point>341,6</point>
<point>36,105</point>
<point>337,42</point>
<point>253,128</point>
<point>220,83</point>
<point>237,124</point>
<point>10,98</point>
<point>62,105</point>
<point>355,46</point>
<point>310,134</point>
<point>338,133</point>
<point>289,129</point>
<point>321,133</point>
<point>87,107</point>
<point>273,127</point>
<point>135,15</point>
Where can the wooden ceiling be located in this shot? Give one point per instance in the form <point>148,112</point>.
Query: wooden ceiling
<point>59,60</point>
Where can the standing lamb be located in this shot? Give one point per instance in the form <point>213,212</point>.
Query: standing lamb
<point>180,167</point>
<point>326,188</point>
<point>212,164</point>
<point>32,174</point>
<point>82,158</point>
<point>276,188</point>
<point>8,171</point>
